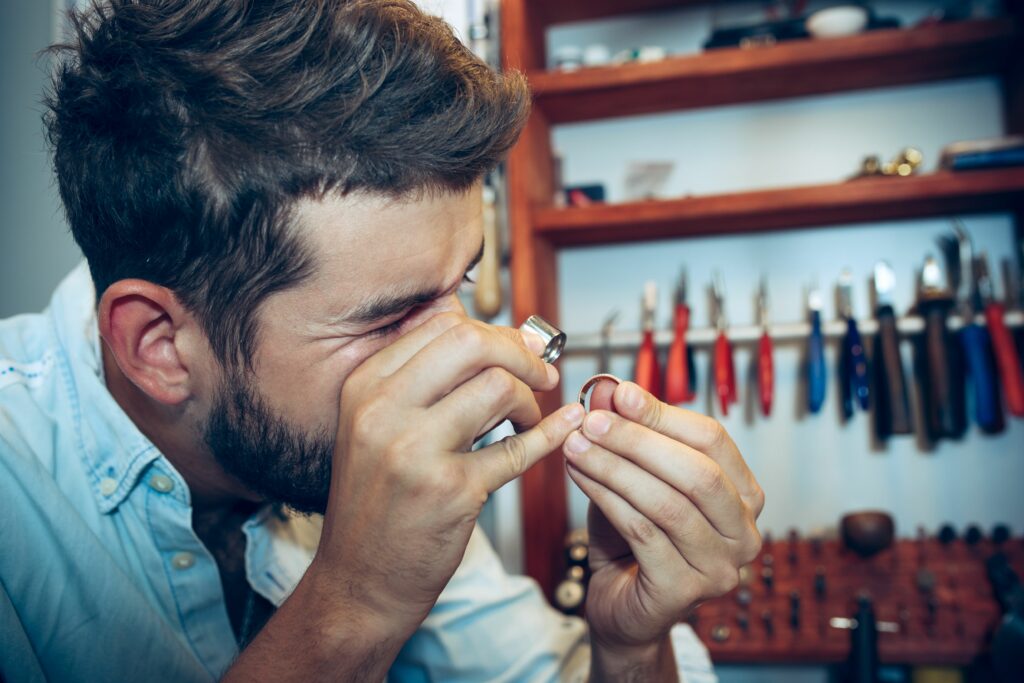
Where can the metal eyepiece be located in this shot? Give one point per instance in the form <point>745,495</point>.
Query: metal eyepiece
<point>554,338</point>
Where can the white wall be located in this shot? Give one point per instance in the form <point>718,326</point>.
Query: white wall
<point>36,249</point>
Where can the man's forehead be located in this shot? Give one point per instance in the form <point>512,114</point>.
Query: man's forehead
<point>366,245</point>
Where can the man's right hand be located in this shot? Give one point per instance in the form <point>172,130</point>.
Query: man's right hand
<point>406,488</point>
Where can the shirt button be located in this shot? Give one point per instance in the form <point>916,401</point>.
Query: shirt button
<point>161,483</point>
<point>183,560</point>
<point>108,486</point>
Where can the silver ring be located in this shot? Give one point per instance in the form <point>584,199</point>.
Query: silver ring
<point>554,338</point>
<point>592,382</point>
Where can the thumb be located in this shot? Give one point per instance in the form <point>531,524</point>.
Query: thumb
<point>505,460</point>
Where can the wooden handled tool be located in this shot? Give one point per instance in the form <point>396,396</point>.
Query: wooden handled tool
<point>892,409</point>
<point>487,297</point>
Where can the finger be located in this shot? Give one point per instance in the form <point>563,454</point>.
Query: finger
<point>482,403</point>
<point>388,360</point>
<point>690,532</point>
<point>653,550</point>
<point>686,470</point>
<point>465,350</point>
<point>501,462</point>
<point>700,432</point>
<point>601,395</point>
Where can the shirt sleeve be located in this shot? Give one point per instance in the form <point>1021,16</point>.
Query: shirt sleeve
<point>490,626</point>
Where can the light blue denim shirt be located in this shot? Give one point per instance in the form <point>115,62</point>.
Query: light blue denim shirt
<point>103,579</point>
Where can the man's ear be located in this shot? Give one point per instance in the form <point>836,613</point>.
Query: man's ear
<point>149,334</point>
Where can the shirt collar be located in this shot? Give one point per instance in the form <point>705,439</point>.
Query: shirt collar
<point>113,449</point>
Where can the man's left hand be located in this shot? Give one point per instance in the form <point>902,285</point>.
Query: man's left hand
<point>672,518</point>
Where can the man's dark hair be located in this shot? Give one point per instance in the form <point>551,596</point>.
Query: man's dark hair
<point>184,132</point>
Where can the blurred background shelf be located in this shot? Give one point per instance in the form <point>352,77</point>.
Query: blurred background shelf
<point>800,67</point>
<point>863,199</point>
<point>928,53</point>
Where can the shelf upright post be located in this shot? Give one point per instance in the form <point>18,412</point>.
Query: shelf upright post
<point>544,496</point>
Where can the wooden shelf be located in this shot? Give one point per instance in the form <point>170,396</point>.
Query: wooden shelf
<point>865,199</point>
<point>567,11</point>
<point>802,67</point>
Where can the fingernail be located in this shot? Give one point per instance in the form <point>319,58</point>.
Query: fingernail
<point>573,414</point>
<point>552,374</point>
<point>533,342</point>
<point>632,396</point>
<point>577,443</point>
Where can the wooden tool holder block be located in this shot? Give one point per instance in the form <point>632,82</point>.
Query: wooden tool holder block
<point>954,633</point>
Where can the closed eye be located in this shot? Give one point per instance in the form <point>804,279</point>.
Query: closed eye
<point>395,326</point>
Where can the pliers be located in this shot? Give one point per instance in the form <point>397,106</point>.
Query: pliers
<point>765,365</point>
<point>853,361</point>
<point>815,353</point>
<point>648,374</point>
<point>725,370</point>
<point>1002,341</point>
<point>679,370</point>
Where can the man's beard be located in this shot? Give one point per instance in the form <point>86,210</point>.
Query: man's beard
<point>274,459</point>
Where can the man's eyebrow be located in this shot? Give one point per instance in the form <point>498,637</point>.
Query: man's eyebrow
<point>383,306</point>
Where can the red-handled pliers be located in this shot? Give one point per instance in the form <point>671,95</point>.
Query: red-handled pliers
<point>725,370</point>
<point>765,367</point>
<point>678,371</point>
<point>1002,342</point>
<point>647,373</point>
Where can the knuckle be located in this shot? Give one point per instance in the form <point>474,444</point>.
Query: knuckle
<point>469,335</point>
<point>640,530</point>
<point>365,422</point>
<point>725,579</point>
<point>751,547</point>
<point>710,482</point>
<point>669,515</point>
<point>717,435</point>
<point>654,412</point>
<point>757,499</point>
<point>515,454</point>
<point>501,385</point>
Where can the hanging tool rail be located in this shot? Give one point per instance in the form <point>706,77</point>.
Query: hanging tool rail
<point>623,342</point>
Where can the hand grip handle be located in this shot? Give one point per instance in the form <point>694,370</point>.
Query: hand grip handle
<point>725,376</point>
<point>974,340</point>
<point>677,371</point>
<point>845,374</point>
<point>1006,359</point>
<point>815,365</point>
<point>648,374</point>
<point>858,368</point>
<point>765,374</point>
<point>892,410</point>
<point>487,296</point>
<point>942,389</point>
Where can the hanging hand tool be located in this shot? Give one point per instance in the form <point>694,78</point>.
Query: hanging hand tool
<point>679,379</point>
<point>604,359</point>
<point>815,353</point>
<point>853,361</point>
<point>1012,288</point>
<point>725,369</point>
<point>892,411</point>
<point>648,374</point>
<point>975,344</point>
<point>1002,342</point>
<point>487,296</point>
<point>938,362</point>
<point>765,366</point>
